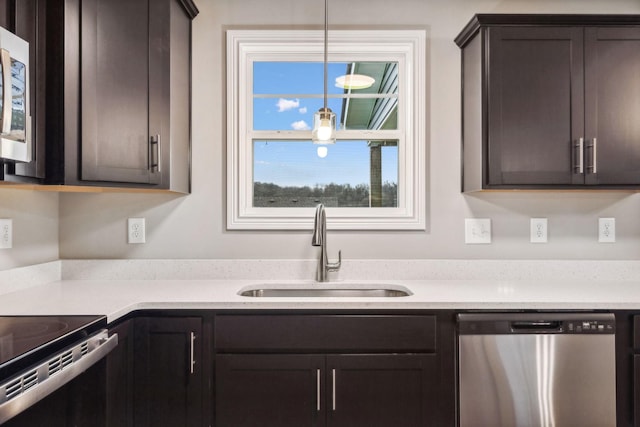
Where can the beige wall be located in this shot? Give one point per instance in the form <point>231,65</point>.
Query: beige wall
<point>93,225</point>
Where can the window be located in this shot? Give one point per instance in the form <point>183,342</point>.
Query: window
<point>373,177</point>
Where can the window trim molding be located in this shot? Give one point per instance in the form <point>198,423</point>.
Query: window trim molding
<point>409,46</point>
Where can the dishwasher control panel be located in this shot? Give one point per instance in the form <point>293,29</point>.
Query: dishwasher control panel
<point>590,326</point>
<point>536,323</point>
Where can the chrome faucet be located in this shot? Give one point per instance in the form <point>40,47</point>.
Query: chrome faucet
<point>320,239</point>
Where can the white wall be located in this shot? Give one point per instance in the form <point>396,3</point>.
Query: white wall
<point>93,225</point>
<point>35,227</point>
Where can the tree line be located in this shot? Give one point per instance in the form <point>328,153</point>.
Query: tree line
<point>267,194</point>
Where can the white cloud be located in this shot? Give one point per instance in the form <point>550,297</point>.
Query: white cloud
<point>287,104</point>
<point>300,125</point>
<point>303,110</point>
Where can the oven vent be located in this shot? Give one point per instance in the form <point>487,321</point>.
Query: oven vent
<point>30,380</point>
<point>24,389</point>
<point>66,358</point>
<point>84,348</point>
<point>59,362</point>
<point>23,382</point>
<point>54,366</point>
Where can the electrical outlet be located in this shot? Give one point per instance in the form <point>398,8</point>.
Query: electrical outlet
<point>135,230</point>
<point>606,230</point>
<point>477,230</point>
<point>6,233</point>
<point>538,230</point>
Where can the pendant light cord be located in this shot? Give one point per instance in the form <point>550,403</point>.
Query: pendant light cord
<point>326,42</point>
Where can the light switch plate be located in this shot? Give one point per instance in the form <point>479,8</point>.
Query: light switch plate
<point>538,230</point>
<point>477,231</point>
<point>6,233</point>
<point>606,230</point>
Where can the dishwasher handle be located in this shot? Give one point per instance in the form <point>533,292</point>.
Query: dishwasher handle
<point>536,326</point>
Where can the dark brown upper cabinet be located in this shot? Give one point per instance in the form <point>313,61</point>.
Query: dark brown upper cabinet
<point>119,93</point>
<point>551,102</point>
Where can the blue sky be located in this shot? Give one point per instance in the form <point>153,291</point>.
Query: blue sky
<point>297,163</point>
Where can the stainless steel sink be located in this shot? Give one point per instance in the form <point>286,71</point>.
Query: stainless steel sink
<point>325,292</point>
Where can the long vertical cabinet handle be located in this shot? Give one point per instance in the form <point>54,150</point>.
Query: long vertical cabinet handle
<point>154,159</point>
<point>192,360</point>
<point>7,99</point>
<point>318,390</point>
<point>579,168</point>
<point>594,166</point>
<point>333,389</point>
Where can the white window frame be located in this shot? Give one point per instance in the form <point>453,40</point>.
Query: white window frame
<point>407,47</point>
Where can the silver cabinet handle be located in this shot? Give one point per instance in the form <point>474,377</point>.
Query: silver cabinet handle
<point>579,168</point>
<point>154,160</point>
<point>7,99</point>
<point>192,362</point>
<point>318,390</point>
<point>594,147</point>
<point>333,389</point>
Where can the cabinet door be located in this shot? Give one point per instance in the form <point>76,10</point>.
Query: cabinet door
<point>168,386</point>
<point>115,91</point>
<point>382,390</point>
<point>612,105</point>
<point>269,390</point>
<point>535,105</point>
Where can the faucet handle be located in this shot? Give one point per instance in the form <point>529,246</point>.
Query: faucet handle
<point>335,266</point>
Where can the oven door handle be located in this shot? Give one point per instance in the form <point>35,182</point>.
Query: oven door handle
<point>31,396</point>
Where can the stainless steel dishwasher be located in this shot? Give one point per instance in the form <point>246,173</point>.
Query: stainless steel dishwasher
<point>537,370</point>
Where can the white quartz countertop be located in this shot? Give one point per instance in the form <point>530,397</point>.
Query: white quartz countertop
<point>116,298</point>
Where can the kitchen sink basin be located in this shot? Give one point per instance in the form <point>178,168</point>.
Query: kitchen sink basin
<point>323,292</point>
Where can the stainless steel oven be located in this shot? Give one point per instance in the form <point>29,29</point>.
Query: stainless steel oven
<point>15,112</point>
<point>40,354</point>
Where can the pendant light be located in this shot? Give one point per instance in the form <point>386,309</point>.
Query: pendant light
<point>354,82</point>
<point>324,121</point>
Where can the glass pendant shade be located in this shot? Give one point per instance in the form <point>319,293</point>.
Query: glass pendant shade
<point>324,127</point>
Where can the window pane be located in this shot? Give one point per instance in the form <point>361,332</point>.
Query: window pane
<point>290,113</point>
<point>287,94</point>
<point>347,174</point>
<point>304,78</point>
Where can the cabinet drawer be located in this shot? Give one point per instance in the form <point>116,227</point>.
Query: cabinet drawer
<point>325,333</point>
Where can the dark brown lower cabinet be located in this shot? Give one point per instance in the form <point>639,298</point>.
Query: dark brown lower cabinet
<point>270,390</point>
<point>632,374</point>
<point>334,370</point>
<point>636,390</point>
<point>381,390</point>
<point>120,377</point>
<point>280,390</point>
<point>168,379</point>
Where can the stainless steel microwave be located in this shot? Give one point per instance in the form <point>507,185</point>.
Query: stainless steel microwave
<point>15,112</point>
